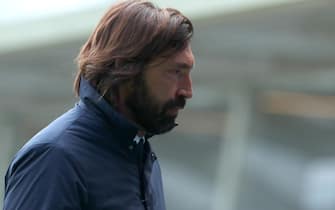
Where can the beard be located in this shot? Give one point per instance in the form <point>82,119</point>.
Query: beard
<point>148,112</point>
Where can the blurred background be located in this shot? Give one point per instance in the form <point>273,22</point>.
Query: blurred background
<point>259,131</point>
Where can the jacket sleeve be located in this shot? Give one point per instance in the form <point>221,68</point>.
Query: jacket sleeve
<point>44,178</point>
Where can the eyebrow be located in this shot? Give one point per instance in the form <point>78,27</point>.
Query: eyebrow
<point>184,65</point>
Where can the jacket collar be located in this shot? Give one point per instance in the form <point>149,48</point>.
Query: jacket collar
<point>126,130</point>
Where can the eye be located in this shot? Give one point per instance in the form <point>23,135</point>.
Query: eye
<point>175,71</point>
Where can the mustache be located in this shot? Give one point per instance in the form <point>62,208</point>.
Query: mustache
<point>178,102</point>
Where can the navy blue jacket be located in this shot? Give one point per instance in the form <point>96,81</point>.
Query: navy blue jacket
<point>90,158</point>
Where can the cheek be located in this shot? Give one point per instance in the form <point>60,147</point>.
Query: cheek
<point>164,90</point>
<point>162,86</point>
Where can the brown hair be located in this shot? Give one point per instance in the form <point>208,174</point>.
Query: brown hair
<point>130,35</point>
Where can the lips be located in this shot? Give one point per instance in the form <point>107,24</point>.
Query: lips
<point>172,107</point>
<point>173,111</point>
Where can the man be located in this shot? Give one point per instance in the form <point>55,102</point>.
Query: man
<point>133,78</point>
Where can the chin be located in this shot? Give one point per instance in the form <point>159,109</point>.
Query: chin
<point>164,129</point>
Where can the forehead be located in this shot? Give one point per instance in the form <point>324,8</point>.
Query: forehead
<point>183,58</point>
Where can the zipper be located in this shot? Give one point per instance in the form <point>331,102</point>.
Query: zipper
<point>141,159</point>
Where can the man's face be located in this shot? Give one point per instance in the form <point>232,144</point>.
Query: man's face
<point>161,91</point>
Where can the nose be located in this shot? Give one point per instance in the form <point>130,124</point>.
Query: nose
<point>185,89</point>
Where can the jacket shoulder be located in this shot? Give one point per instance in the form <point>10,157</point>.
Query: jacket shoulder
<point>44,176</point>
